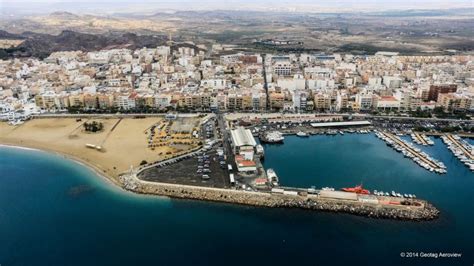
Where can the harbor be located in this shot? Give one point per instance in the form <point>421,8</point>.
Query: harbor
<point>165,219</point>
<point>249,183</point>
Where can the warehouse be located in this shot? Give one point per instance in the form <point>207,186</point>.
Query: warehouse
<point>243,142</point>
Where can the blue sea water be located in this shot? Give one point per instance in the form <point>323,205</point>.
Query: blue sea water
<point>56,212</point>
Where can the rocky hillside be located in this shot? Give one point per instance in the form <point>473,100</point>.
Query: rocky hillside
<point>41,45</point>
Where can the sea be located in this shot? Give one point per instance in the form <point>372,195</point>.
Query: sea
<point>54,211</point>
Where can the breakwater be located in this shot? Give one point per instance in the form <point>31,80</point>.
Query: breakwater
<point>425,211</point>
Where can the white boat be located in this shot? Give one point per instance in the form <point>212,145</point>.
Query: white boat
<point>272,176</point>
<point>260,151</point>
<point>272,137</point>
<point>302,134</point>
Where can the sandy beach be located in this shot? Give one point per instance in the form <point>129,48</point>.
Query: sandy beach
<point>123,141</point>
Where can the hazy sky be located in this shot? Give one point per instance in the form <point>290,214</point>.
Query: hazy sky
<point>291,5</point>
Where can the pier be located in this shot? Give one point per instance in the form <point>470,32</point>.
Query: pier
<point>421,139</point>
<point>329,201</point>
<point>461,147</point>
<point>415,154</point>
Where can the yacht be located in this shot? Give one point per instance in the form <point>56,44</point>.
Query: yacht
<point>272,137</point>
<point>302,134</point>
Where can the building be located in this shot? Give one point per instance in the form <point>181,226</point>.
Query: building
<point>387,103</point>
<point>244,165</point>
<point>282,67</point>
<point>243,142</point>
<point>435,90</point>
<point>365,101</point>
<point>243,145</point>
<point>455,102</point>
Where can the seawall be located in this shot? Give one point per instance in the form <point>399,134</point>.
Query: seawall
<point>264,199</point>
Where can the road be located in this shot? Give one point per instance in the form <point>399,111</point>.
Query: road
<point>265,82</point>
<point>363,116</point>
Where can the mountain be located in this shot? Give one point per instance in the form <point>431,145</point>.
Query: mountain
<point>42,45</point>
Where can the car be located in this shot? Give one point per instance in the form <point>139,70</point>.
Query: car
<point>199,171</point>
<point>205,177</point>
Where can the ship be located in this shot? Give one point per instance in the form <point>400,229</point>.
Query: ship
<point>272,137</point>
<point>302,134</point>
<point>260,151</point>
<point>357,189</point>
<point>272,177</point>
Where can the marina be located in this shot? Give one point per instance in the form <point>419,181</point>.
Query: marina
<point>461,149</point>
<point>408,150</point>
<point>421,139</point>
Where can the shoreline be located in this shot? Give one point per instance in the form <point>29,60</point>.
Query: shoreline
<point>108,178</point>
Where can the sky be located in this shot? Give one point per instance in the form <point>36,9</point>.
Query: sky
<point>81,6</point>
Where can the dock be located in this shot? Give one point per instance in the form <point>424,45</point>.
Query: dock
<point>461,147</point>
<point>415,154</point>
<point>420,139</point>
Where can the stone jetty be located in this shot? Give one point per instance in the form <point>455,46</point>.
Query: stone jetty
<point>423,212</point>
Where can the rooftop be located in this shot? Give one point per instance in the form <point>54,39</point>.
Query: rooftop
<point>341,124</point>
<point>242,137</point>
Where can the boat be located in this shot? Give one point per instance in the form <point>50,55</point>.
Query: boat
<point>272,137</point>
<point>328,189</point>
<point>357,189</point>
<point>260,151</point>
<point>272,176</point>
<point>302,134</point>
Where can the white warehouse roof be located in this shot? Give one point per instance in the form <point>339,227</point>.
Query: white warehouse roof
<point>341,124</point>
<point>242,137</point>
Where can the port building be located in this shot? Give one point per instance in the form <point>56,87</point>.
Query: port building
<point>243,145</point>
<point>243,142</point>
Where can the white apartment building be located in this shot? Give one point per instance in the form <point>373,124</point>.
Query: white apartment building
<point>365,101</point>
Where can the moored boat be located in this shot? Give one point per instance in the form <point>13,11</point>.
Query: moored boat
<point>272,137</point>
<point>302,134</point>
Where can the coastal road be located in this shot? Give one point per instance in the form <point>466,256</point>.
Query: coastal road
<point>363,116</point>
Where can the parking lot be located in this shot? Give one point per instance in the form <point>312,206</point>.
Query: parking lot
<point>204,169</point>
